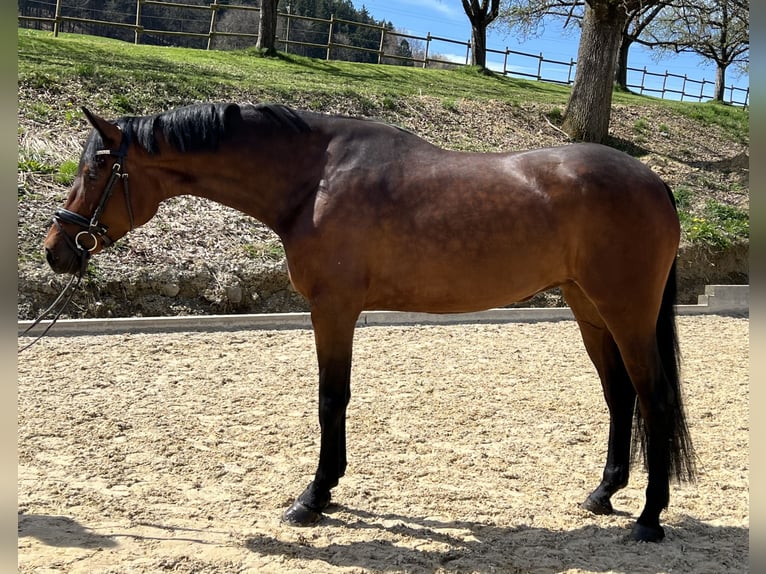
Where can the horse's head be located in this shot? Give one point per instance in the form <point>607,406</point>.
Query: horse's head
<point>99,208</point>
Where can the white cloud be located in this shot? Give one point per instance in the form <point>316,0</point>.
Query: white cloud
<point>448,8</point>
<point>454,58</point>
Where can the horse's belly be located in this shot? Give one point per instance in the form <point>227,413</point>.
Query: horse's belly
<point>458,285</point>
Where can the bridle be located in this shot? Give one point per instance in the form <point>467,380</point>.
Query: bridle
<point>92,228</point>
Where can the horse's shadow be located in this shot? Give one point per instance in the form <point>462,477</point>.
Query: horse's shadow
<point>61,531</point>
<point>414,544</point>
<point>489,548</point>
<point>65,532</point>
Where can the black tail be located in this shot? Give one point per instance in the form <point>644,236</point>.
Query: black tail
<point>681,452</point>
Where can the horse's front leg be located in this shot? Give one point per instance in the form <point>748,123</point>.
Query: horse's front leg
<point>334,338</point>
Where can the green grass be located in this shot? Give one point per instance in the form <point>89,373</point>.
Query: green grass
<point>66,173</point>
<point>187,74</point>
<point>716,224</point>
<point>63,172</point>
<point>34,165</point>
<point>718,229</point>
<point>145,79</point>
<point>261,251</point>
<point>735,120</point>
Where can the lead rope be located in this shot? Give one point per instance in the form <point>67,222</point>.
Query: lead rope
<point>64,298</point>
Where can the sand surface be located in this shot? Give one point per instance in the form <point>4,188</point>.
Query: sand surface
<point>470,450</point>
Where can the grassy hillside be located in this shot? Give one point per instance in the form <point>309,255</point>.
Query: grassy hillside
<point>126,75</point>
<point>700,149</point>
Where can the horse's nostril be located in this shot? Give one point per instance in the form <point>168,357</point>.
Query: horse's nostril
<point>50,257</point>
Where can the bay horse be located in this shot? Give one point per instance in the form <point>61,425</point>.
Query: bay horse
<point>373,217</point>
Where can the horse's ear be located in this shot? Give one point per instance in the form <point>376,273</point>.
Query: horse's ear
<point>110,133</point>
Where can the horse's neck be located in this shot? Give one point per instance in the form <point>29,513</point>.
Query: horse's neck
<point>264,189</point>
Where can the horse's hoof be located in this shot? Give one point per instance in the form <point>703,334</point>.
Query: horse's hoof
<point>300,515</point>
<point>643,533</point>
<point>598,506</point>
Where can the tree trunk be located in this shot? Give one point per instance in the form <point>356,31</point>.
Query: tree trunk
<point>479,46</point>
<point>587,115</point>
<point>267,27</point>
<point>720,82</point>
<point>621,75</point>
<point>481,13</point>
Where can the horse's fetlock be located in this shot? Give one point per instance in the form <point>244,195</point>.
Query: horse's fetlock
<point>316,498</point>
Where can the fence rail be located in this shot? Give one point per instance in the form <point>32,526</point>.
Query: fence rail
<point>514,63</point>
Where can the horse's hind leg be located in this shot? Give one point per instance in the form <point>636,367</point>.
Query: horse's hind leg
<point>655,402</point>
<point>619,394</point>
<point>645,335</point>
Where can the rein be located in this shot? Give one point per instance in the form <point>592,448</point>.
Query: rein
<point>92,228</point>
<point>63,299</point>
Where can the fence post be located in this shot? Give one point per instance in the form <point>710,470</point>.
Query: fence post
<point>702,90</point>
<point>468,47</point>
<point>382,43</point>
<point>329,36</point>
<point>643,79</point>
<point>569,73</point>
<point>287,29</point>
<point>57,21</point>
<point>505,61</point>
<point>540,66</point>
<point>214,11</point>
<point>137,31</point>
<point>683,89</point>
<point>428,45</point>
<point>664,83</point>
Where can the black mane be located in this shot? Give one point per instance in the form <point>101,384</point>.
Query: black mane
<point>199,127</point>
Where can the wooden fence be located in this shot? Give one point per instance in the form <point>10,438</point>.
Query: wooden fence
<point>422,51</point>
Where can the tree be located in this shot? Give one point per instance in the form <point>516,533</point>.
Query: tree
<point>716,30</point>
<point>232,21</point>
<point>637,23</point>
<point>480,13</point>
<point>587,114</point>
<point>267,27</point>
<point>404,50</point>
<point>401,50</point>
<point>316,31</point>
<point>527,17</point>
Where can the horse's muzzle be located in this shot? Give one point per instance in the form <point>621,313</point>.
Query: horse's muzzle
<point>66,262</point>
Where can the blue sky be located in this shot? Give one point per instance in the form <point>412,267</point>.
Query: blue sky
<point>446,18</point>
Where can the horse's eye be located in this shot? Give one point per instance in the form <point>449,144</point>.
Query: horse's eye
<point>92,169</point>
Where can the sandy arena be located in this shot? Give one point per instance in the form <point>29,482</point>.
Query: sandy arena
<point>470,450</point>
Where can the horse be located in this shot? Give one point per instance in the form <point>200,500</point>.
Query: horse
<point>373,217</point>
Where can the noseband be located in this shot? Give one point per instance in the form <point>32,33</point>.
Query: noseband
<point>92,228</point>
